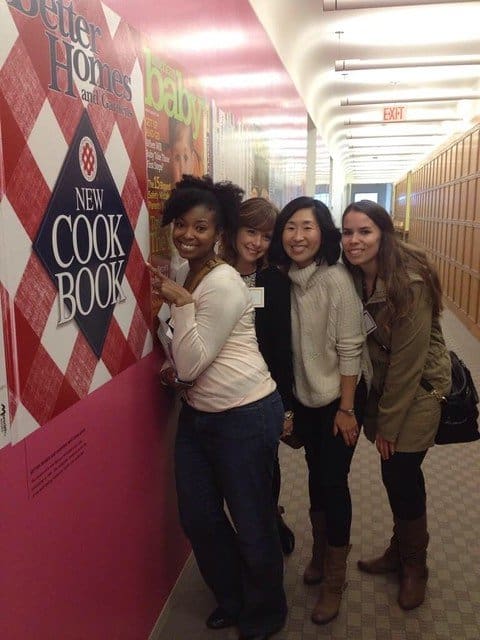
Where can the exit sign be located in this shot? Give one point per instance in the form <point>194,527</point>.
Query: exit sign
<point>393,114</point>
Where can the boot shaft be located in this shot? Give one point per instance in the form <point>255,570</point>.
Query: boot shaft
<point>413,542</point>
<point>314,572</point>
<point>333,586</point>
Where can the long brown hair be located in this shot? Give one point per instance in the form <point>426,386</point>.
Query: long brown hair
<point>395,260</point>
<point>255,213</point>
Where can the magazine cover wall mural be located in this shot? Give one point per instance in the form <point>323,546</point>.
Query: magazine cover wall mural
<point>176,126</point>
<point>74,219</point>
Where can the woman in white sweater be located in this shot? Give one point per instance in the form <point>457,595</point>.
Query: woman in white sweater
<point>231,418</point>
<point>329,389</point>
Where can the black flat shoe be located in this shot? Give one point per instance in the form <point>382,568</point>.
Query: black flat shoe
<point>220,619</point>
<point>287,537</point>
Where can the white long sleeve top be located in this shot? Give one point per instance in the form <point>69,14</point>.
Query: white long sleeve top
<point>328,332</point>
<point>214,344</point>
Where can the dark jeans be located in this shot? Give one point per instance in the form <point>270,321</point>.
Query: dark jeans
<point>403,479</point>
<point>230,456</point>
<point>328,460</point>
<point>277,481</point>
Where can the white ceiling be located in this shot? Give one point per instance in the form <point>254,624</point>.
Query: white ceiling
<point>309,40</point>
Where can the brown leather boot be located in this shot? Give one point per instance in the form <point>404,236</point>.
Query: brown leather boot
<point>333,585</point>
<point>389,561</point>
<point>413,541</point>
<point>314,572</point>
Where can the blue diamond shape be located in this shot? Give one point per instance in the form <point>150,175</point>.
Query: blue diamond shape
<point>85,238</point>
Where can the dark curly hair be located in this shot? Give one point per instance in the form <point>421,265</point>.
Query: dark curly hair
<point>223,198</point>
<point>329,250</point>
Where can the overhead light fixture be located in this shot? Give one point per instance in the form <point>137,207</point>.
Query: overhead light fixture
<point>349,102</point>
<point>402,63</point>
<point>361,123</point>
<point>238,81</point>
<point>209,40</point>
<point>398,135</point>
<point>343,5</point>
<point>275,120</point>
<point>392,154</point>
<point>395,145</point>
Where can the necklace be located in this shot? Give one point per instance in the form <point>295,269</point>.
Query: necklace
<point>250,279</point>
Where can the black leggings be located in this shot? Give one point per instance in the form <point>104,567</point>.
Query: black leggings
<point>328,459</point>
<point>403,479</point>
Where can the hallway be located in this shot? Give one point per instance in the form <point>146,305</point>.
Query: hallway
<point>369,609</point>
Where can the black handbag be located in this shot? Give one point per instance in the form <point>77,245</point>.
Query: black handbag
<point>459,418</point>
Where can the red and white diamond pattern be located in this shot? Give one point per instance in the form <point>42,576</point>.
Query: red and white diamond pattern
<point>54,367</point>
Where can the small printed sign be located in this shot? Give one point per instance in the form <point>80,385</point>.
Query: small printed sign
<point>369,322</point>
<point>257,295</point>
<point>394,114</point>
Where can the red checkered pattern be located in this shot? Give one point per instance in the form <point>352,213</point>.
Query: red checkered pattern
<point>88,159</point>
<point>54,367</point>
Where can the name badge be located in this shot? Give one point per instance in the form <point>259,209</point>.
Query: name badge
<point>257,295</point>
<point>369,322</point>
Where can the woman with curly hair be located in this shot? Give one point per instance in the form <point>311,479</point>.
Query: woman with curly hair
<point>402,297</point>
<point>231,417</point>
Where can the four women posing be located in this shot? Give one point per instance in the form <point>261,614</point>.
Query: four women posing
<point>311,332</point>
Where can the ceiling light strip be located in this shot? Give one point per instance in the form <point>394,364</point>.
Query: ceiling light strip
<point>348,102</point>
<point>404,63</point>
<point>398,135</point>
<point>345,5</point>
<point>361,123</point>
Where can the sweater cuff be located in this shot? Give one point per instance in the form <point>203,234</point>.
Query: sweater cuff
<point>350,367</point>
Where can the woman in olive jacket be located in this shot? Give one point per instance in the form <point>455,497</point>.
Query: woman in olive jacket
<point>402,301</point>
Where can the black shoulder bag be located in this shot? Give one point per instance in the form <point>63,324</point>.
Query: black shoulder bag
<point>459,418</point>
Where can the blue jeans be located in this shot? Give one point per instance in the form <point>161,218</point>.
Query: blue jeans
<point>229,456</point>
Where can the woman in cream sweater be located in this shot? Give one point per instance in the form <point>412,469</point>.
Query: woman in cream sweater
<point>328,342</point>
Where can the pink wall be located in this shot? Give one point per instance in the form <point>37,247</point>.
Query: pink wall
<point>92,554</point>
<point>95,554</point>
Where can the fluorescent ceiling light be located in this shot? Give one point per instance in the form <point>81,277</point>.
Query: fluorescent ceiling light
<point>278,133</point>
<point>362,123</point>
<point>387,154</point>
<point>341,5</point>
<point>401,63</point>
<point>276,120</point>
<point>203,41</point>
<point>389,135</point>
<point>387,99</point>
<point>241,81</point>
<point>386,144</point>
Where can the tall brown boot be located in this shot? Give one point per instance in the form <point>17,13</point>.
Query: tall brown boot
<point>413,541</point>
<point>314,572</point>
<point>389,561</point>
<point>333,585</point>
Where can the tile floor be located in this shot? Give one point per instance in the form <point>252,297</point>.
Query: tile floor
<point>369,609</point>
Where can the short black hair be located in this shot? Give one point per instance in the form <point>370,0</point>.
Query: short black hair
<point>329,250</point>
<point>223,198</point>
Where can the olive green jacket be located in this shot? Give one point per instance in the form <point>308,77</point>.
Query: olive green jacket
<point>398,407</point>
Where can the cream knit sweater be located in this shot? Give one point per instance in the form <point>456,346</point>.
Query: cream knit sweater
<point>328,334</point>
